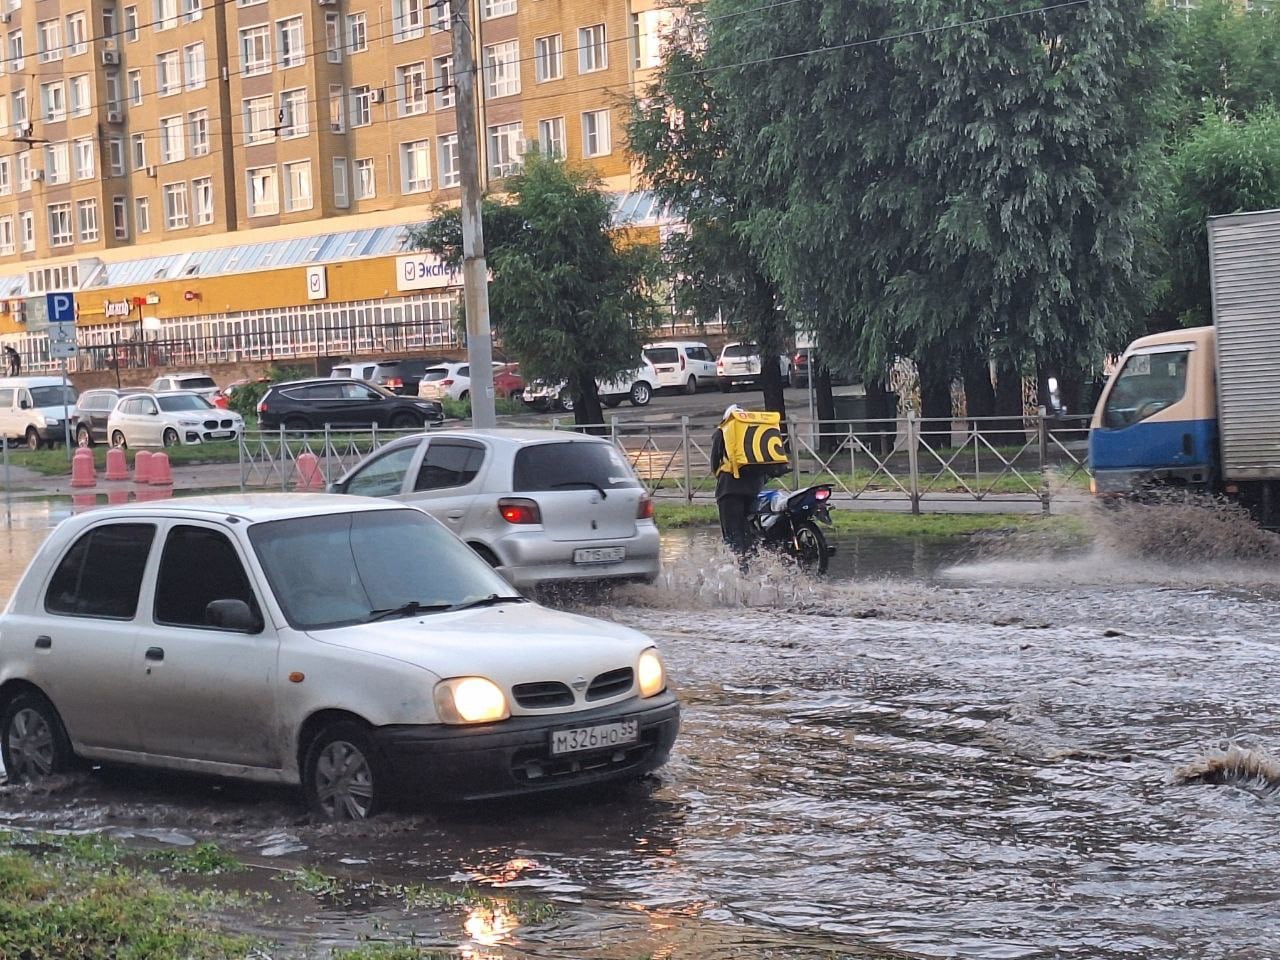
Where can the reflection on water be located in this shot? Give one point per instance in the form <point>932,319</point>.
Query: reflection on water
<point>1027,755</point>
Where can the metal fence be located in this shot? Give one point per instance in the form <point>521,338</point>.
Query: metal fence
<point>917,462</point>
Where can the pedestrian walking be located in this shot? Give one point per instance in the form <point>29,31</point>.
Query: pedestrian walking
<point>12,361</point>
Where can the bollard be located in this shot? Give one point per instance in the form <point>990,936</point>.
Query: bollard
<point>117,465</point>
<point>142,466</point>
<point>82,469</point>
<point>309,476</point>
<point>117,496</point>
<point>83,501</point>
<point>161,475</point>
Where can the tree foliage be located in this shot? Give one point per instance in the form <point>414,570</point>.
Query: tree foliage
<point>571,297</point>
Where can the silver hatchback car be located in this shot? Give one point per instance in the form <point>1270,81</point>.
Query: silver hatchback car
<point>541,506</point>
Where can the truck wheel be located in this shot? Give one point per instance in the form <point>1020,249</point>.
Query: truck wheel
<point>33,439</point>
<point>33,741</point>
<point>343,777</point>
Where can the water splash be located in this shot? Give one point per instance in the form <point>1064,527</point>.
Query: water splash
<point>1251,769</point>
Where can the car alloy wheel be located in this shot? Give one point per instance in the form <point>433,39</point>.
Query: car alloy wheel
<point>33,744</point>
<point>83,437</point>
<point>170,438</point>
<point>640,394</point>
<point>342,774</point>
<point>117,440</point>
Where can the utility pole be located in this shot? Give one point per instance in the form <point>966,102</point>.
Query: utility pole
<point>475,272</point>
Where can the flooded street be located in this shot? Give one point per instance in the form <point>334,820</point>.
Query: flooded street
<point>944,750</point>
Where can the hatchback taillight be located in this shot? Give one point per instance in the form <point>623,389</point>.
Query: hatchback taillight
<point>644,509</point>
<point>262,405</point>
<point>519,510</point>
<point>446,383</point>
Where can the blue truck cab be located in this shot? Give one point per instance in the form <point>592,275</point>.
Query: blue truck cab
<point>1156,423</point>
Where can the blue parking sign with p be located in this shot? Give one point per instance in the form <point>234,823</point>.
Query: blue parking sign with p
<point>62,307</point>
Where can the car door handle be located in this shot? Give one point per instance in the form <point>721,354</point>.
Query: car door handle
<point>43,642</point>
<point>155,653</point>
<point>456,514</point>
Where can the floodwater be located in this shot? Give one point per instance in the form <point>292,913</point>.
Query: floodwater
<point>949,749</point>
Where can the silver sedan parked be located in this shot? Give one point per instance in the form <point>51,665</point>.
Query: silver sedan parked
<point>540,505</point>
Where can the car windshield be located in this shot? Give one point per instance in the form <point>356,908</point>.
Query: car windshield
<point>344,568</point>
<point>662,354</point>
<point>196,383</point>
<point>183,402</point>
<point>562,466</point>
<point>740,350</point>
<point>52,396</point>
<point>1148,383</point>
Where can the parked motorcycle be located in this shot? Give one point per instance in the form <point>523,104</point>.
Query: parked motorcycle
<point>788,523</point>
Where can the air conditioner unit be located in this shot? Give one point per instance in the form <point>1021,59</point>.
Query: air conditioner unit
<point>20,312</point>
<point>6,16</point>
<point>377,95</point>
<point>108,44</point>
<point>151,171</point>
<point>110,58</point>
<point>37,176</point>
<point>24,131</point>
<point>327,3</point>
<point>115,116</point>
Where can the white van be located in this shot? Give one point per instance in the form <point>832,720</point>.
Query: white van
<point>682,364</point>
<point>34,410</point>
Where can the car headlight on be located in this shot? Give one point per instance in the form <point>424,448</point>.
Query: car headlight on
<point>470,700</point>
<point>650,674</point>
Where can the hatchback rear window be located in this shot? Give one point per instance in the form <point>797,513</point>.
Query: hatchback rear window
<point>564,466</point>
<point>740,350</point>
<point>340,372</point>
<point>663,355</point>
<point>435,373</point>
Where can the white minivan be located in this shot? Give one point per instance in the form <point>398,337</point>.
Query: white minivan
<point>34,410</point>
<point>682,364</point>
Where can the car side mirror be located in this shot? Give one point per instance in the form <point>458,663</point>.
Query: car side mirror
<point>336,487</point>
<point>154,413</point>
<point>24,405</point>
<point>232,615</point>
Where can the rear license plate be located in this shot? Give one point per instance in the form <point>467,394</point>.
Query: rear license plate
<point>599,554</point>
<point>599,737</point>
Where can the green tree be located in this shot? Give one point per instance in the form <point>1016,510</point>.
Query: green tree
<point>981,190</point>
<point>687,157</point>
<point>571,297</point>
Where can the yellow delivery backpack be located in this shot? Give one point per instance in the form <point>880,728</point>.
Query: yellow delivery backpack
<point>753,438</point>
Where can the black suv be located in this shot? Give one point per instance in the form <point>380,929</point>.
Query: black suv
<point>310,404</point>
<point>403,376</point>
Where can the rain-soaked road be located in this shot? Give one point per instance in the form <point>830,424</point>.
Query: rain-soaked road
<point>945,756</point>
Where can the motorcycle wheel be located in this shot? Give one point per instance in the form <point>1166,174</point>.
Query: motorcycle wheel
<point>809,547</point>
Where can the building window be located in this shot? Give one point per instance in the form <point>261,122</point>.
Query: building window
<point>27,230</point>
<point>142,214</point>
<point>415,166</point>
<point>131,23</point>
<point>341,188</point>
<point>264,196</point>
<point>198,130</point>
<point>255,50</point>
<point>165,14</point>
<point>57,164</point>
<point>502,69</point>
<point>80,103</point>
<point>498,8</point>
<point>6,235</point>
<point>15,51</point>
<point>202,200</point>
<point>120,217</point>
<point>333,37</point>
<point>112,80</point>
<point>649,32</point>
<point>133,81</point>
<point>442,73</point>
<point>441,16</point>
<point>115,156</point>
<point>409,19</point>
<point>290,43</point>
<point>506,144</point>
<point>361,113</point>
<point>293,114</point>
<point>6,177</point>
<point>175,206</point>
<point>447,148</point>
<point>49,40</point>
<point>24,170</point>
<point>61,233</point>
<point>193,62</point>
<point>297,186</point>
<point>109,22</point>
<point>366,187</point>
<point>139,143</point>
<point>19,98</point>
<point>168,73</point>
<point>595,133</point>
<point>337,108</point>
<point>77,34</point>
<point>548,58</point>
<point>259,120</point>
<point>357,33</point>
<point>172,142</point>
<point>191,11</point>
<point>86,155</point>
<point>53,101</point>
<point>87,220</point>
<point>411,82</point>
<point>593,52</point>
<point>551,137</point>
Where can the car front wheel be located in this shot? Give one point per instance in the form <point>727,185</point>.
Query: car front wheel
<point>343,777</point>
<point>405,421</point>
<point>33,439</point>
<point>170,438</point>
<point>33,742</point>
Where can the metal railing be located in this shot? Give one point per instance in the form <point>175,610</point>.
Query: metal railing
<point>268,459</point>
